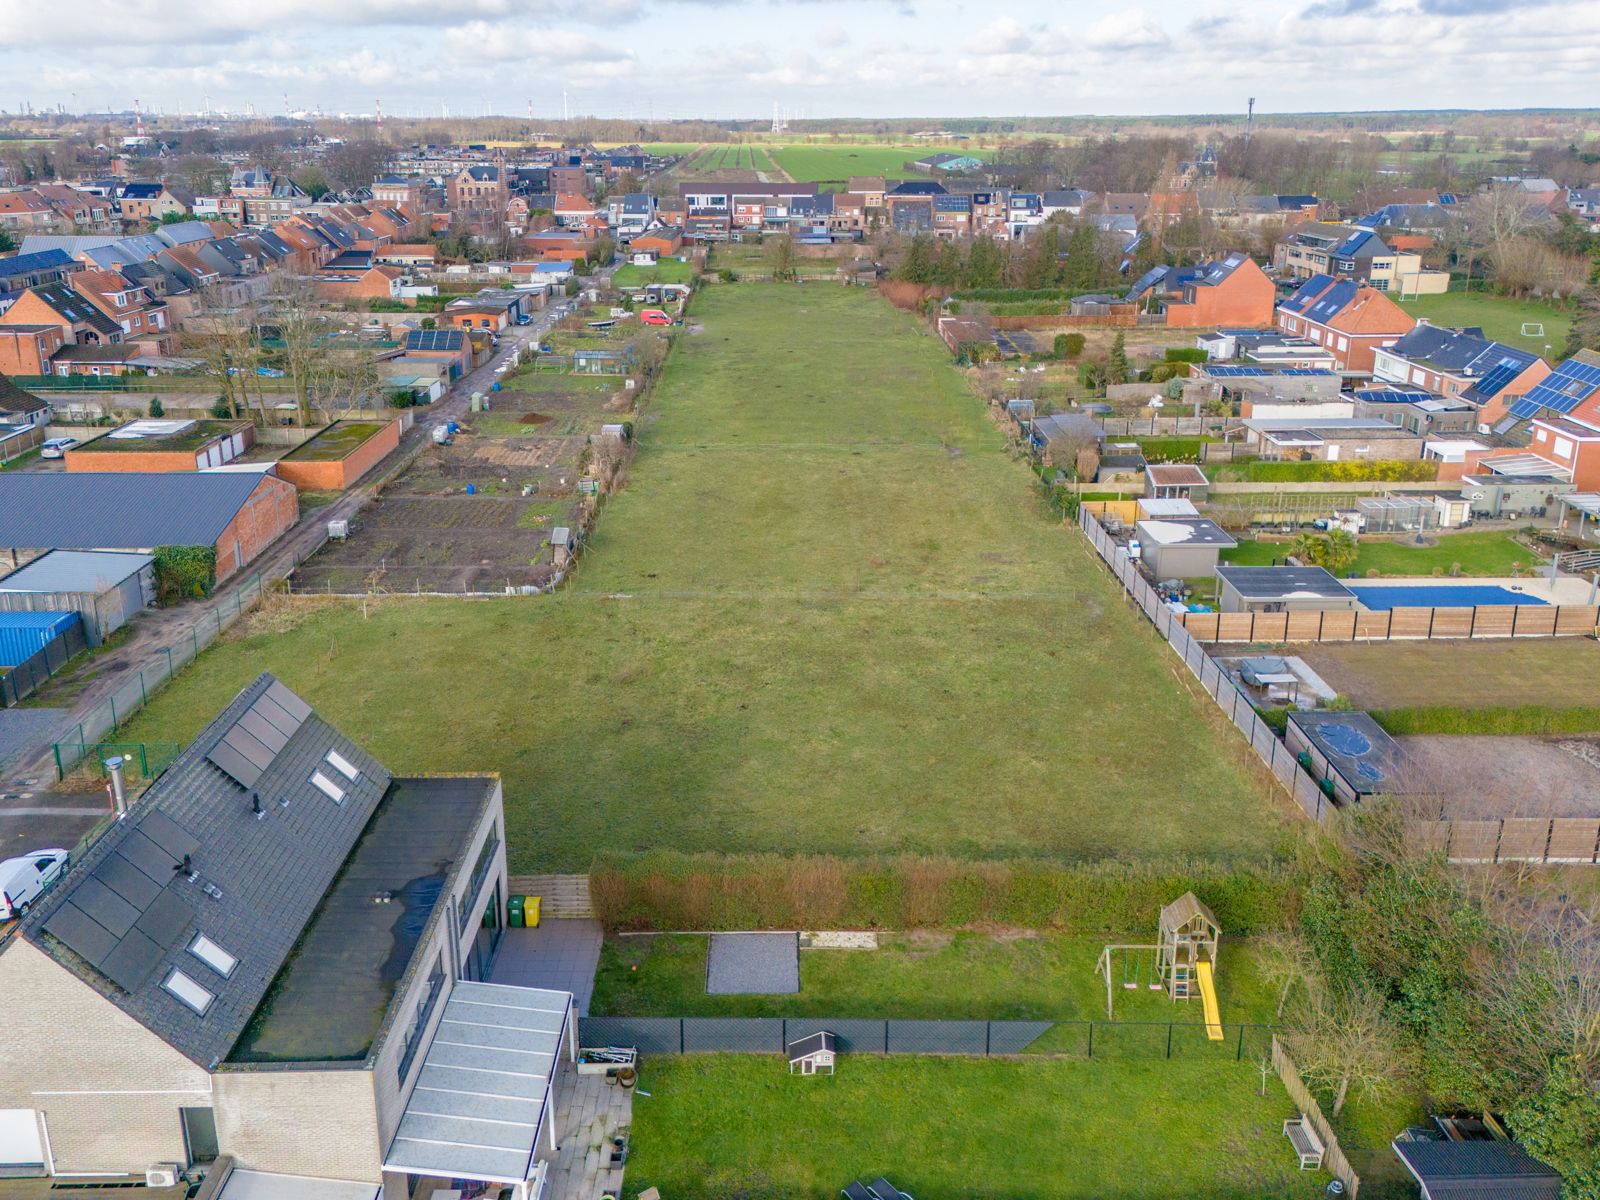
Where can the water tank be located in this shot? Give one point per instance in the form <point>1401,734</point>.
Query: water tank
<point>477,402</point>
<point>338,530</point>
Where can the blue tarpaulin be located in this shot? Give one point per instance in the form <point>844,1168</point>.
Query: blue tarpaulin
<point>1443,595</point>
<point>24,634</point>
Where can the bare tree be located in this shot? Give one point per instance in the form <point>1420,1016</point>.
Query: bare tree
<point>1287,962</point>
<point>1341,1040</point>
<point>223,334</point>
<point>1491,219</point>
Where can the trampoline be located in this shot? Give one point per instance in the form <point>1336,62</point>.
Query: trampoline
<point>1439,595</point>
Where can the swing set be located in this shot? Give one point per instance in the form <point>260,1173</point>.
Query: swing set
<point>1181,964</point>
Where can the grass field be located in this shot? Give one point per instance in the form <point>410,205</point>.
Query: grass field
<point>827,614</point>
<point>933,976</point>
<point>948,1129</point>
<point>1500,318</point>
<point>838,163</point>
<point>666,270</point>
<point>1466,674</point>
<point>1477,554</point>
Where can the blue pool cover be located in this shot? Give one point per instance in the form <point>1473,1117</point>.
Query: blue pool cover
<point>1443,595</point>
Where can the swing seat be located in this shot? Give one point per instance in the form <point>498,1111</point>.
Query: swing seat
<point>1129,986</point>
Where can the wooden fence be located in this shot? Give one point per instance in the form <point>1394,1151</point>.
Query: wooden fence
<point>1333,1154</point>
<point>1541,840</point>
<point>1396,624</point>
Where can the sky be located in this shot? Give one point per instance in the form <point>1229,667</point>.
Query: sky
<point>813,58</point>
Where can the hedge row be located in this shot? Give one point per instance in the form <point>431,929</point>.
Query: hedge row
<point>664,891</point>
<point>1520,720</point>
<point>1350,471</point>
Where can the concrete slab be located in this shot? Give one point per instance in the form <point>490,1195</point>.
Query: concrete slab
<point>560,955</point>
<point>766,964</point>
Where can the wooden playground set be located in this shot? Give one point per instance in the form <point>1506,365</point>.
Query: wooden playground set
<point>1183,963</point>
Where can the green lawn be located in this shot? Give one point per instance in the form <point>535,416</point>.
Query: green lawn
<point>1499,317</point>
<point>666,270</point>
<point>827,614</point>
<point>838,163</point>
<point>716,1126</point>
<point>960,976</point>
<point>1477,554</point>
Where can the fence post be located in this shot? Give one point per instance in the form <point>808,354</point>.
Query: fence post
<point>194,630</point>
<point>144,762</point>
<point>681,1043</point>
<point>144,697</point>
<point>1091,1039</point>
<point>988,1040</point>
<point>1169,1039</point>
<point>60,774</point>
<point>168,651</point>
<point>785,1047</point>
<point>1238,1054</point>
<point>113,703</point>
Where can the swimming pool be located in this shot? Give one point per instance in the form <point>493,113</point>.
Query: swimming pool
<point>1439,595</point>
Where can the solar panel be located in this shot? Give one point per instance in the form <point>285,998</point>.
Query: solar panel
<point>167,834</point>
<point>132,962</point>
<point>1394,396</point>
<point>268,735</point>
<point>122,877</point>
<point>297,708</point>
<point>70,925</point>
<point>256,739</point>
<point>165,921</point>
<point>239,768</point>
<point>103,906</point>
<point>1496,379</point>
<point>148,857</point>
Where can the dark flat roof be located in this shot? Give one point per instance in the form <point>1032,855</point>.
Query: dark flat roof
<point>330,998</point>
<point>1355,746</point>
<point>1280,583</point>
<point>1477,1170</point>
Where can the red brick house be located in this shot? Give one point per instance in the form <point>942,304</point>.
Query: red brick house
<point>28,349</point>
<point>81,322</point>
<point>1563,411</point>
<point>25,211</point>
<point>1348,319</point>
<point>478,190</point>
<point>1234,292</point>
<point>143,318</point>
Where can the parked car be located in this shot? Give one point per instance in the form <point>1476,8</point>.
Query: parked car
<point>24,878</point>
<point>57,447</point>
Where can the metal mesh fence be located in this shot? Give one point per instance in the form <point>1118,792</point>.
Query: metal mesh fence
<point>1068,1039</point>
<point>28,677</point>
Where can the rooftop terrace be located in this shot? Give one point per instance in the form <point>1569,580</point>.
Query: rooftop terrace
<point>329,1000</point>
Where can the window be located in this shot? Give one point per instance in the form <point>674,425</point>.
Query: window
<point>419,1018</point>
<point>327,787</point>
<point>213,955</point>
<point>342,765</point>
<point>480,869</point>
<point>190,992</point>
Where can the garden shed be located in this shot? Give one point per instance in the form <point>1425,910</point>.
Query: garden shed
<point>1183,547</point>
<point>813,1055</point>
<point>107,588</point>
<point>1281,589</point>
<point>339,455</point>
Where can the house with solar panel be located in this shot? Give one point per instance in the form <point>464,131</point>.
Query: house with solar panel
<point>1462,363</point>
<point>1348,319</point>
<point>1229,291</point>
<point>1560,419</point>
<point>1355,252</point>
<point>274,966</point>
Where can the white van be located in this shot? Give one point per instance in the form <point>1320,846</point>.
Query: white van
<point>22,879</point>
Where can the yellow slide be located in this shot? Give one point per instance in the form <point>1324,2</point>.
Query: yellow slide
<point>1208,998</point>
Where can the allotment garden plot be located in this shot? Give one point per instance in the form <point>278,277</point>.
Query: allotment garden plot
<point>828,612</point>
<point>476,515</point>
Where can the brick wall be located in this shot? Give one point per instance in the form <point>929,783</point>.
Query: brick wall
<point>271,510</point>
<point>131,461</point>
<point>316,1122</point>
<point>339,474</point>
<point>64,1048</point>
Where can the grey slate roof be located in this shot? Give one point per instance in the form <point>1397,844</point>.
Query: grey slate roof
<point>1272,583</point>
<point>1478,1171</point>
<point>271,873</point>
<point>92,510</point>
<point>14,400</point>
<point>75,571</point>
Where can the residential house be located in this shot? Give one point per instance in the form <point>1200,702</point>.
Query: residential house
<point>83,211</point>
<point>371,283</point>
<point>871,188</point>
<point>274,988</point>
<point>1348,319</point>
<point>630,214</point>
<point>25,211</point>
<point>1461,363</point>
<point>412,256</point>
<point>23,271</point>
<point>1356,252</point>
<point>478,192</point>
<point>19,407</point>
<point>29,349</point>
<point>1562,416</point>
<point>573,209</point>
<point>144,319</point>
<point>395,191</point>
<point>81,322</point>
<point>149,203</point>
<point>448,347</point>
<point>1233,291</point>
<point>1329,439</point>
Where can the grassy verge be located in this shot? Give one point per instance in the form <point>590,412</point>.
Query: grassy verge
<point>1172,449</point>
<point>827,615</point>
<point>1500,317</point>
<point>1525,720</point>
<point>666,270</point>
<point>1484,554</point>
<point>927,976</point>
<point>943,1129</point>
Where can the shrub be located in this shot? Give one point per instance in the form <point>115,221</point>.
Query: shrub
<point>221,410</point>
<point>1069,345</point>
<point>1352,471</point>
<point>184,573</point>
<point>1185,354</point>
<point>157,409</point>
<point>663,890</point>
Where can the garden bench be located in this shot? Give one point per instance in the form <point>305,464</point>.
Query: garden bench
<point>1305,1141</point>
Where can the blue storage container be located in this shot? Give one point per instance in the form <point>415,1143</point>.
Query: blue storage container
<point>24,634</point>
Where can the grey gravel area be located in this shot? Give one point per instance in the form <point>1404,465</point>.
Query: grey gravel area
<point>765,964</point>
<point>22,729</point>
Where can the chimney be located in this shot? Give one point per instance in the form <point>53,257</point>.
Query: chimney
<point>119,788</point>
<point>255,805</point>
